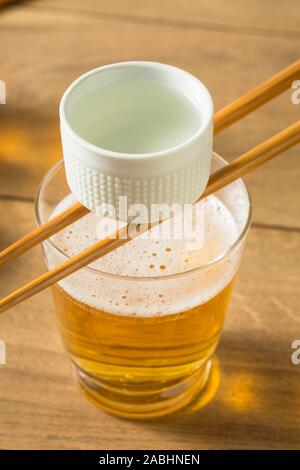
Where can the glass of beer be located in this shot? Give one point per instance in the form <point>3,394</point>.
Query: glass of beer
<point>141,324</point>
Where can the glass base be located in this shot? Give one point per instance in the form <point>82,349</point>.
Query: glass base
<point>130,402</point>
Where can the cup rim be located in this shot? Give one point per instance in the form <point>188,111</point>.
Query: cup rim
<point>204,123</point>
<point>55,168</point>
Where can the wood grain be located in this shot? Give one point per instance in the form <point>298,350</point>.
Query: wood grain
<point>267,17</point>
<point>231,48</point>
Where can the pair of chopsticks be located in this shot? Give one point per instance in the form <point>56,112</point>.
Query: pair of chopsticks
<point>237,168</point>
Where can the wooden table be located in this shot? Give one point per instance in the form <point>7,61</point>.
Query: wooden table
<point>254,399</point>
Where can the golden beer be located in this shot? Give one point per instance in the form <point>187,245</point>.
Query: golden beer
<point>141,357</point>
<point>141,324</point>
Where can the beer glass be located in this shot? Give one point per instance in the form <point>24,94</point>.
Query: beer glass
<point>141,326</point>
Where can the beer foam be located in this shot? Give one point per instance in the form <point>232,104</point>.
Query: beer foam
<point>152,276</point>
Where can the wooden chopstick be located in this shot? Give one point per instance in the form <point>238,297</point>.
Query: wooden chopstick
<point>43,232</point>
<point>239,167</point>
<point>255,98</point>
<point>253,158</point>
<point>222,119</point>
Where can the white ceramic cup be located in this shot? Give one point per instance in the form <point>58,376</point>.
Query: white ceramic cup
<point>176,174</point>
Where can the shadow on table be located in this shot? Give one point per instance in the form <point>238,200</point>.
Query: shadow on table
<point>249,401</point>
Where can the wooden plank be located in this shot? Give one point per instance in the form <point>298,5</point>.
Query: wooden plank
<point>254,386</point>
<point>257,17</point>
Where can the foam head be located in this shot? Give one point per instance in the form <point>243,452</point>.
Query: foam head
<point>156,275</point>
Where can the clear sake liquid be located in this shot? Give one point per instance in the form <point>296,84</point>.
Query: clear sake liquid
<point>135,116</point>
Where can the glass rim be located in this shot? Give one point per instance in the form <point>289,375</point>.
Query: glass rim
<point>57,166</point>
